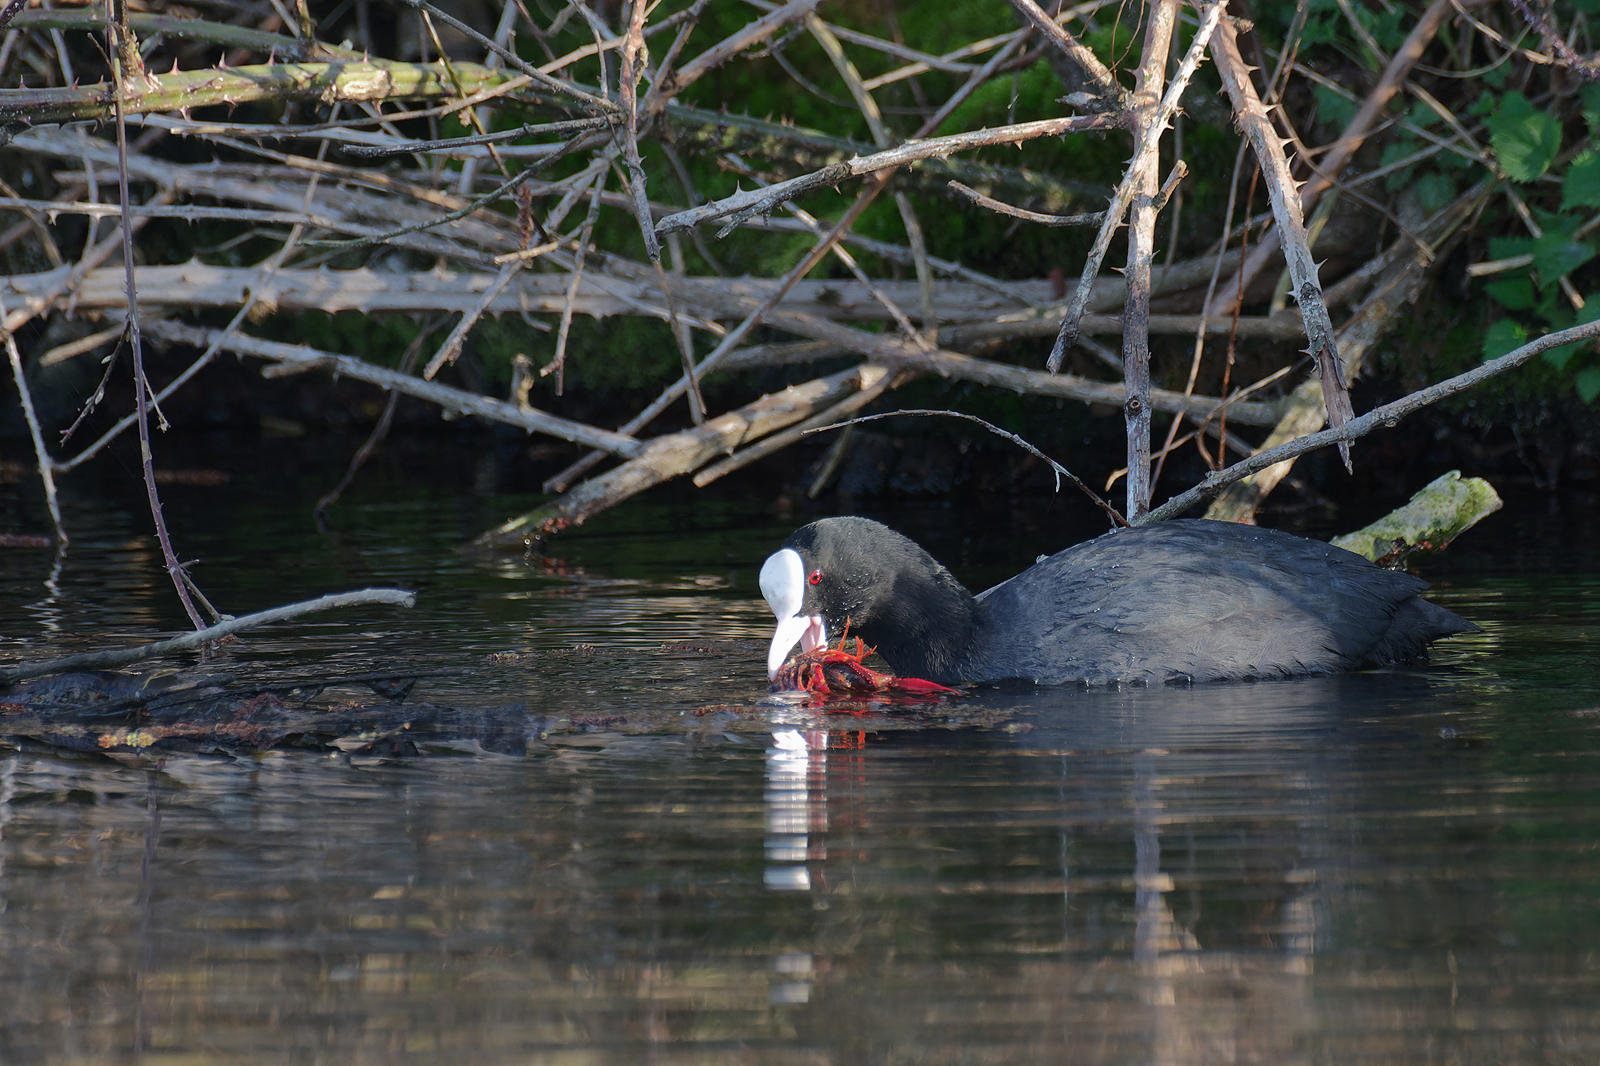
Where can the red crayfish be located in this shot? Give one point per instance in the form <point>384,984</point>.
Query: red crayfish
<point>836,672</point>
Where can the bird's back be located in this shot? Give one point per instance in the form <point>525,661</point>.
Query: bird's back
<point>1203,601</point>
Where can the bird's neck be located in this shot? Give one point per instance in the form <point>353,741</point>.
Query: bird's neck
<point>929,636</point>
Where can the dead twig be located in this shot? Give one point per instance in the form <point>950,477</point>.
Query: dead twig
<point>408,363</point>
<point>1102,85</point>
<point>633,62</point>
<point>40,452</point>
<point>875,381</point>
<point>451,348</point>
<point>1059,470</point>
<point>1144,176</point>
<point>119,41</point>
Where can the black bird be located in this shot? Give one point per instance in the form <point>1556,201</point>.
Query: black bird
<point>1174,601</point>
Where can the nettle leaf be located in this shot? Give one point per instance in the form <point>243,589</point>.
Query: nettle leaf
<point>1503,337</point>
<point>1588,382</point>
<point>1582,185</point>
<point>1515,294</point>
<point>1525,141</point>
<point>1556,254</point>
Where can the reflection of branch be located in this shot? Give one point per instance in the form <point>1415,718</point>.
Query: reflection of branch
<point>1388,415</point>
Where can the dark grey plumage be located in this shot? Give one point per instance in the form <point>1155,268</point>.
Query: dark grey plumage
<point>1187,600</point>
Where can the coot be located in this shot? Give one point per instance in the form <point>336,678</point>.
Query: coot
<point>1174,601</point>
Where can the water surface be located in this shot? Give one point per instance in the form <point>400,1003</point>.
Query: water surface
<point>670,867</point>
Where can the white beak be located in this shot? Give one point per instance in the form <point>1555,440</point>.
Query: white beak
<point>783,584</point>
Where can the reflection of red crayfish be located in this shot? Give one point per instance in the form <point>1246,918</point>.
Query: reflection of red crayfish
<point>835,672</point>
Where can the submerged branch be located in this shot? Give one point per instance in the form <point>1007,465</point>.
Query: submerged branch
<point>99,660</point>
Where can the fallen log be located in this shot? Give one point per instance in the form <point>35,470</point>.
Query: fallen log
<point>681,453</point>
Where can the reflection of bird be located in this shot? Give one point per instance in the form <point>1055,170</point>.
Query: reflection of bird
<point>392,688</point>
<point>1174,601</point>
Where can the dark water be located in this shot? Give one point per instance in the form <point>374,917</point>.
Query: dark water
<point>1395,867</point>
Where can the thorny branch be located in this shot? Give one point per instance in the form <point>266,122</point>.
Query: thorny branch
<point>401,231</point>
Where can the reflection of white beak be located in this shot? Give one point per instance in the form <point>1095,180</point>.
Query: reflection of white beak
<point>783,583</point>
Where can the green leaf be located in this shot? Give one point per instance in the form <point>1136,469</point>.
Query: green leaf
<point>1581,188</point>
<point>1588,382</point>
<point>1556,254</point>
<point>1423,115</point>
<point>1516,294</point>
<point>1525,141</point>
<point>1393,153</point>
<point>1483,105</point>
<point>1558,357</point>
<point>1503,337</point>
<point>1333,108</point>
<point>1506,247</point>
<point>1590,95</point>
<point>1434,190</point>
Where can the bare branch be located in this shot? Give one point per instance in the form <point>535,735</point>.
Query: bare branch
<point>1388,416</point>
<point>40,452</point>
<point>300,356</point>
<point>751,33</point>
<point>1340,152</point>
<point>1287,211</point>
<point>763,201</point>
<point>1147,146</point>
<point>1100,80</point>
<point>1026,216</point>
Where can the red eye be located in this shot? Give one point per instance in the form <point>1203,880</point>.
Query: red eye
<point>816,576</point>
